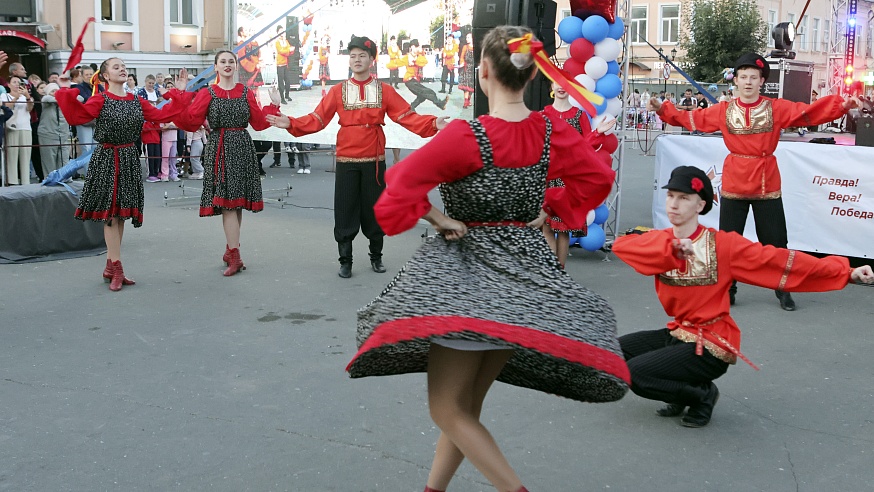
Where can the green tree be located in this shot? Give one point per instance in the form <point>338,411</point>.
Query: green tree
<point>716,32</point>
<point>437,32</point>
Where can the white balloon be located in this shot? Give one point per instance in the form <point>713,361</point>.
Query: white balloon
<point>590,218</point>
<point>596,67</point>
<point>608,49</point>
<point>586,81</point>
<point>614,106</point>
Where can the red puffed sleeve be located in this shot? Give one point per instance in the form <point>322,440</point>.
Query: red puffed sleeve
<point>257,114</point>
<point>650,253</point>
<point>195,114</point>
<point>167,112</point>
<point>587,179</point>
<point>398,109</point>
<point>450,156</point>
<point>791,114</point>
<point>784,269</point>
<point>704,120</point>
<point>76,112</point>
<point>318,119</point>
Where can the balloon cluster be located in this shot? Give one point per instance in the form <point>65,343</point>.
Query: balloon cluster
<point>728,74</point>
<point>595,236</point>
<point>306,54</point>
<point>594,48</point>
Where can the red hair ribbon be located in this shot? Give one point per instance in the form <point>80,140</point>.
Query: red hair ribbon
<point>76,54</point>
<point>585,97</point>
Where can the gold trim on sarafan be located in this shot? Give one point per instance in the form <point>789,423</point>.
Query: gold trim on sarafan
<point>715,350</point>
<point>352,98</point>
<point>701,269</point>
<point>761,118</point>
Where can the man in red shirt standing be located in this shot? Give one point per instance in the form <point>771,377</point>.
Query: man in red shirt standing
<point>693,268</point>
<point>751,126</point>
<point>362,103</point>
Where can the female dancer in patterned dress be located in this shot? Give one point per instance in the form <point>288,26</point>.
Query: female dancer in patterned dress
<point>466,81</point>
<point>231,179</point>
<point>486,299</point>
<point>598,139</point>
<point>113,190</point>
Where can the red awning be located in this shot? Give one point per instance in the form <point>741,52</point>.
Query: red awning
<point>23,35</point>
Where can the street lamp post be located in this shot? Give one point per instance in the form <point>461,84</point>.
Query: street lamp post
<point>661,56</point>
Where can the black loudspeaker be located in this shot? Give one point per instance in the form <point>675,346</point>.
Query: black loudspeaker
<point>292,34</point>
<point>539,15</point>
<point>865,132</point>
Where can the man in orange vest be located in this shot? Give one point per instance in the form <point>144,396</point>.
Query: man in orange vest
<point>284,49</point>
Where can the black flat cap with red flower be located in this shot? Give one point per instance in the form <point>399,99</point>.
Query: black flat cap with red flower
<point>753,60</point>
<point>690,179</point>
<point>364,43</point>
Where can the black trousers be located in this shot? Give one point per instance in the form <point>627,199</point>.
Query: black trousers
<point>666,369</point>
<point>448,74</point>
<point>357,186</point>
<point>153,152</point>
<point>769,216</point>
<point>393,78</point>
<point>421,92</point>
<point>262,148</point>
<point>282,77</point>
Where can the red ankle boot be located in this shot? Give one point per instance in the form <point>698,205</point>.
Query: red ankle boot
<point>227,256</point>
<point>118,278</point>
<point>108,272</point>
<point>429,489</point>
<point>235,264</point>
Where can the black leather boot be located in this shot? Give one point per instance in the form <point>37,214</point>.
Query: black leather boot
<point>786,301</point>
<point>699,413</point>
<point>345,250</point>
<point>732,292</point>
<point>671,410</point>
<point>376,255</point>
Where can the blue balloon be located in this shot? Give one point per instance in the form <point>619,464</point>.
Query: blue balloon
<point>609,86</point>
<point>613,67</point>
<point>601,214</point>
<point>600,108</point>
<point>595,28</point>
<point>617,29</point>
<point>570,28</point>
<point>594,239</point>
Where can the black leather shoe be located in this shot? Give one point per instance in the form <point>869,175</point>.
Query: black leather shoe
<point>786,301</point>
<point>699,414</point>
<point>671,410</point>
<point>345,270</point>
<point>377,266</point>
<point>731,295</point>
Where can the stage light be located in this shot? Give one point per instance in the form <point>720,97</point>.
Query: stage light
<point>851,21</point>
<point>848,81</point>
<point>784,35</point>
<point>849,70</point>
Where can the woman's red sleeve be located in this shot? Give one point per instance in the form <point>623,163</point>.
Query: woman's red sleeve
<point>167,112</point>
<point>194,115</point>
<point>75,111</point>
<point>449,156</point>
<point>257,114</point>
<point>587,179</point>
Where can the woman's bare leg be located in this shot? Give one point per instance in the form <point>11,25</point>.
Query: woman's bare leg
<point>232,221</point>
<point>457,384</point>
<point>561,247</point>
<point>112,234</point>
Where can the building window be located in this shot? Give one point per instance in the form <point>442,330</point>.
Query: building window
<point>113,10</point>
<point>670,32</point>
<point>564,13</point>
<point>181,12</point>
<point>814,39</point>
<point>826,36</point>
<point>772,21</point>
<point>638,24</point>
<point>802,35</point>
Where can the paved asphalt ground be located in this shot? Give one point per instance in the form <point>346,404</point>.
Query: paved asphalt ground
<point>191,381</point>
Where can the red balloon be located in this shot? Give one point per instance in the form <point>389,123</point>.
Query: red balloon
<point>582,49</point>
<point>574,67</point>
<point>585,8</point>
<point>610,143</point>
